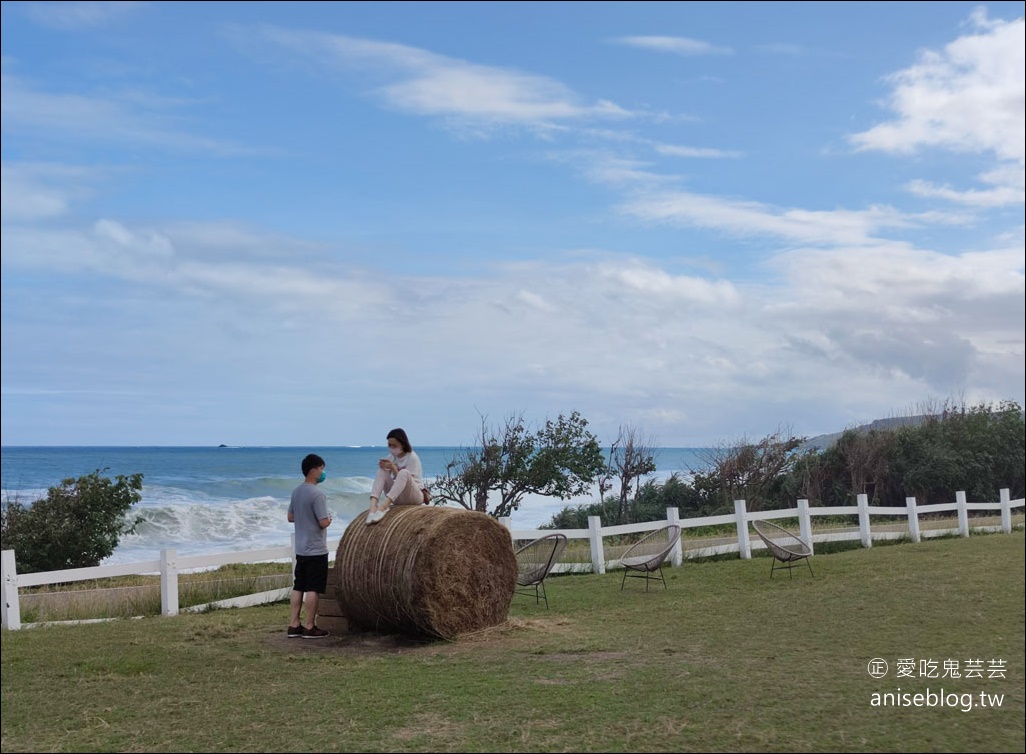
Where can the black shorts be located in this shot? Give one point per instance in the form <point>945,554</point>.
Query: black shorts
<point>311,573</point>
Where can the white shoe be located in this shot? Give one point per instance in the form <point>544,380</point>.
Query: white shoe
<point>372,518</point>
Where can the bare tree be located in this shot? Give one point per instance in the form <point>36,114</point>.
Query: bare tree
<point>747,470</point>
<point>814,477</point>
<point>865,457</point>
<point>473,472</point>
<point>605,477</point>
<point>630,460</point>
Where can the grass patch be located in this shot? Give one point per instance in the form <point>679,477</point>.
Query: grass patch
<point>725,659</point>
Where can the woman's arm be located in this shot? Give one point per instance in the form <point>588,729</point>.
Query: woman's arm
<point>414,467</point>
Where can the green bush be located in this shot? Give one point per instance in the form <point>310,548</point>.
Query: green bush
<point>976,449</point>
<point>77,524</point>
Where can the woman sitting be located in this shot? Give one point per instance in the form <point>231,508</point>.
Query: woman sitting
<point>399,478</point>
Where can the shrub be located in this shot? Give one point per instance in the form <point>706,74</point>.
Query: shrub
<point>77,524</point>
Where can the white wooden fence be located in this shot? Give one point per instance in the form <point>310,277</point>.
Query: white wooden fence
<point>170,564</point>
<point>742,543</point>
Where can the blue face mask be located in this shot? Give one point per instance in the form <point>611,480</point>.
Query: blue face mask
<point>322,477</point>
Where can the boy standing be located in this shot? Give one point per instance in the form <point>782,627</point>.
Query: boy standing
<point>308,511</point>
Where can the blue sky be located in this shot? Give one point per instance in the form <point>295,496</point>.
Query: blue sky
<point>307,223</point>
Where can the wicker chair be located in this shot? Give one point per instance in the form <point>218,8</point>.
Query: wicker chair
<point>644,559</point>
<point>787,548</point>
<point>535,561</point>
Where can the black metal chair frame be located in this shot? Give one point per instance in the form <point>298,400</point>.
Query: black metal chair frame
<point>788,555</point>
<point>533,582</point>
<point>650,566</point>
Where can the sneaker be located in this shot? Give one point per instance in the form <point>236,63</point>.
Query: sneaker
<point>295,633</point>
<point>373,517</point>
<point>315,633</point>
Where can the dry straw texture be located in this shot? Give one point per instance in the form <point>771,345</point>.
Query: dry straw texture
<point>426,571</point>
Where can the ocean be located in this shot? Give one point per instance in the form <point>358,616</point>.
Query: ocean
<point>201,500</point>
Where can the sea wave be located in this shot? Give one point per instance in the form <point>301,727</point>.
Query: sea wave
<point>209,500</point>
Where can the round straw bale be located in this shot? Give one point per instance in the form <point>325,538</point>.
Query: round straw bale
<point>426,570</point>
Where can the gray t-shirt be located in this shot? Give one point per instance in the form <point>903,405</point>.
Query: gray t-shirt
<point>308,506</point>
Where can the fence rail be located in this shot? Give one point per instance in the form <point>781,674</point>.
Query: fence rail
<point>170,564</point>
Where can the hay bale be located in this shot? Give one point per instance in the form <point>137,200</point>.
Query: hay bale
<point>426,571</point>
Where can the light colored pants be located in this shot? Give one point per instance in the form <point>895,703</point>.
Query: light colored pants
<point>402,490</point>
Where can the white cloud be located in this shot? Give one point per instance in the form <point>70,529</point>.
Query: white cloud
<point>743,218</point>
<point>75,16</point>
<point>971,98</point>
<point>783,48</point>
<point>675,45</point>
<point>1008,189</point>
<point>78,117</point>
<point>195,260</point>
<point>906,285</point>
<point>649,281</point>
<point>702,152</point>
<point>36,191</point>
<point>534,301</point>
<point>426,83</point>
<point>613,170</point>
<point>619,338</point>
<point>935,318</point>
<point>145,244</point>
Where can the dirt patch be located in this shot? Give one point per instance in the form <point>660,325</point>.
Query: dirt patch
<point>352,643</point>
<point>370,643</point>
<point>430,725</point>
<point>584,656</point>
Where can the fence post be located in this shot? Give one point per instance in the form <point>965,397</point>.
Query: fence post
<point>506,521</point>
<point>677,556</point>
<point>913,518</point>
<point>963,514</point>
<point>598,555</point>
<point>743,545</point>
<point>11,604</point>
<point>864,531</point>
<point>805,523</point>
<point>168,582</point>
<point>1006,511</point>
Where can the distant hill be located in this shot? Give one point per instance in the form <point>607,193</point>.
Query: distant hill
<point>821,442</point>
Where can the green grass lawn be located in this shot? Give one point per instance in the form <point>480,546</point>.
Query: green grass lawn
<point>725,659</point>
